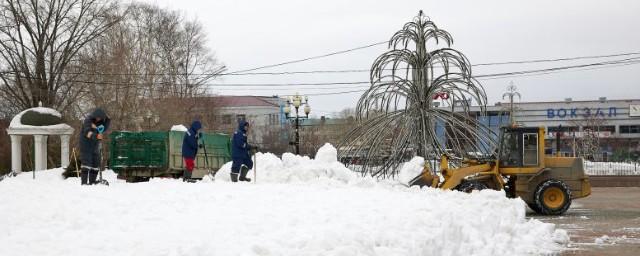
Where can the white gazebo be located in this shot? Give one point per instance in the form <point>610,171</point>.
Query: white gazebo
<point>40,122</point>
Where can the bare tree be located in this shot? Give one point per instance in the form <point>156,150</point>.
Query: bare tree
<point>146,69</point>
<point>39,40</point>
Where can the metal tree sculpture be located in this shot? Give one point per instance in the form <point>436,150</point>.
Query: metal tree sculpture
<point>398,117</point>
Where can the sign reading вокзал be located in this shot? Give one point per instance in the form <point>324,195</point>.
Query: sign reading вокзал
<point>634,110</point>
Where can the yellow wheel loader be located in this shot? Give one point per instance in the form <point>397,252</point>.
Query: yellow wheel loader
<point>546,183</point>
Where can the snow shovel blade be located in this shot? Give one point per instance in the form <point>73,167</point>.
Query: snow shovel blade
<point>426,178</point>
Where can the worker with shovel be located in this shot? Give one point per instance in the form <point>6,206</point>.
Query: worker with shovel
<point>93,128</point>
<point>240,153</point>
<point>190,149</point>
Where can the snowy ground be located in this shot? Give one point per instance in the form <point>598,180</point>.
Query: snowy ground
<point>299,206</point>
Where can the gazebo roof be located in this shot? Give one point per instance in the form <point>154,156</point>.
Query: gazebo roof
<point>38,121</point>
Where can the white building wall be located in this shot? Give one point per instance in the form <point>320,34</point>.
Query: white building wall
<point>261,118</point>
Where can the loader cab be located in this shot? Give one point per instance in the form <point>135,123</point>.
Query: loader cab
<point>521,148</point>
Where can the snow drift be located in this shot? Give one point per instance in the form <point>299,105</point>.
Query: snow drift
<point>179,127</point>
<point>294,169</point>
<point>299,206</point>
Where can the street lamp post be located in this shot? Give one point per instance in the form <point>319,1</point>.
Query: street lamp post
<point>296,102</point>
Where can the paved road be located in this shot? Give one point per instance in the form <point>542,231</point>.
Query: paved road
<point>605,223</point>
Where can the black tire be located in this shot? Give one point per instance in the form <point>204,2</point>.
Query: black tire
<point>469,186</point>
<point>534,207</point>
<point>556,203</point>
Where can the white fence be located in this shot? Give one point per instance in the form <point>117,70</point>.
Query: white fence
<point>612,168</point>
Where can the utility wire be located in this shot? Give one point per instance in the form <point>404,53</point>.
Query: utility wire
<point>473,65</point>
<point>561,71</point>
<point>146,86</point>
<point>500,77</point>
<point>247,73</point>
<point>559,59</point>
<point>310,58</point>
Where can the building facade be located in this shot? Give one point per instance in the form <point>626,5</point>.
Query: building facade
<point>610,128</point>
<point>265,114</point>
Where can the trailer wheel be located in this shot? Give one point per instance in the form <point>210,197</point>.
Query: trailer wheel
<point>469,186</point>
<point>552,197</point>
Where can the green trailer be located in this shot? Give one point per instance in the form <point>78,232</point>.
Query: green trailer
<point>138,156</point>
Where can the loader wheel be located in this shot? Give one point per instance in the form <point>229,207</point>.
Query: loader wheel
<point>552,197</point>
<point>469,186</point>
<point>534,207</point>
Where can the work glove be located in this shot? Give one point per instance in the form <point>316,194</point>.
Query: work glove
<point>100,129</point>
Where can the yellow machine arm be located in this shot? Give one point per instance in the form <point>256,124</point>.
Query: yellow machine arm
<point>453,177</point>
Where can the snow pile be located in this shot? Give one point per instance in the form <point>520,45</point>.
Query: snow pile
<point>327,154</point>
<point>46,111</point>
<point>179,128</point>
<point>411,170</point>
<point>606,240</point>
<point>299,206</point>
<point>296,169</point>
<point>16,122</point>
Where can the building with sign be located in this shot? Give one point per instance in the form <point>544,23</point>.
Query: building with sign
<point>610,127</point>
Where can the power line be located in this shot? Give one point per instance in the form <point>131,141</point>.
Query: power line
<point>561,71</point>
<point>288,89</point>
<point>559,59</point>
<point>329,93</point>
<point>247,73</point>
<point>501,77</point>
<point>628,61</point>
<point>473,65</point>
<point>310,58</point>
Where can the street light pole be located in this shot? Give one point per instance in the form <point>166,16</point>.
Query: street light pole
<point>511,93</point>
<point>297,133</point>
<point>295,102</point>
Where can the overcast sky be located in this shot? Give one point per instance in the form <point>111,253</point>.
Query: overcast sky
<point>247,34</point>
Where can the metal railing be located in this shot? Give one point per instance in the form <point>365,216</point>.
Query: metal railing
<point>612,168</point>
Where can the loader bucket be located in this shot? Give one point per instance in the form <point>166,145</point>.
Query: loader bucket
<point>426,178</point>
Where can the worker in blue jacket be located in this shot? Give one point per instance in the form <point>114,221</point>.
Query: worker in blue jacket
<point>240,153</point>
<point>190,149</point>
<point>92,132</point>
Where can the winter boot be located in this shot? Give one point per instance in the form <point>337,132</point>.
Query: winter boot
<point>186,176</point>
<point>234,177</point>
<point>84,176</point>
<point>243,174</point>
<point>93,175</point>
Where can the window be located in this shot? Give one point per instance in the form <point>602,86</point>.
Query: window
<point>554,129</point>
<point>530,149</point>
<point>273,119</point>
<point>608,128</point>
<point>511,155</point>
<point>626,129</point>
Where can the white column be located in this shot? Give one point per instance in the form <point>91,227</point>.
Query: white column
<point>40,145</point>
<point>64,150</point>
<point>44,151</point>
<point>16,153</point>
